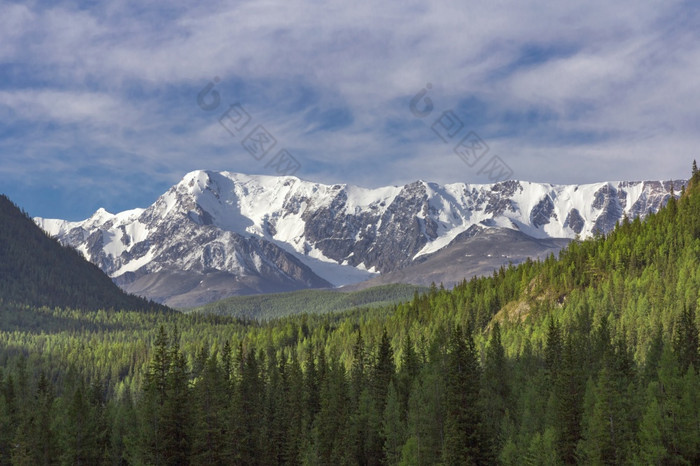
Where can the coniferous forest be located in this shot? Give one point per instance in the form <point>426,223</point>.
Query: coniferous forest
<point>588,358</point>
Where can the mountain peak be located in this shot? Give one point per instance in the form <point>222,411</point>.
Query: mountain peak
<point>284,230</point>
<point>100,216</point>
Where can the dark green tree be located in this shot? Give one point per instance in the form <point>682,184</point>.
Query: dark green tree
<point>151,408</point>
<point>685,341</point>
<point>35,441</point>
<point>568,394</point>
<point>408,371</point>
<point>211,440</point>
<point>495,392</point>
<point>465,441</point>
<point>393,427</point>
<point>177,409</point>
<point>383,373</point>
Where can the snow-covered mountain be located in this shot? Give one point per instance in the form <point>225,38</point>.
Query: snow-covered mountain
<point>217,234</point>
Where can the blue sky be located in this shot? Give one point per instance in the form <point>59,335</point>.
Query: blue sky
<point>98,100</point>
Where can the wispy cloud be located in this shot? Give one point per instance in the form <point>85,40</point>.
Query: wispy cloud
<point>104,95</point>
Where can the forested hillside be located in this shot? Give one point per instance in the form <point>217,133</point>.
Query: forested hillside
<point>36,270</point>
<point>589,358</point>
<point>267,306</point>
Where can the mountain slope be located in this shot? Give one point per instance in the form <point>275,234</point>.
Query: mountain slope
<point>476,252</point>
<point>219,234</point>
<point>270,306</point>
<point>36,270</point>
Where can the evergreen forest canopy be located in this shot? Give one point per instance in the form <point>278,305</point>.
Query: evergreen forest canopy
<point>588,358</point>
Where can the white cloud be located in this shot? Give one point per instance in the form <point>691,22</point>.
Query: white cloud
<point>122,77</point>
<point>65,107</point>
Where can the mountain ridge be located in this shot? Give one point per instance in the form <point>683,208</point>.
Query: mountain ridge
<point>258,233</point>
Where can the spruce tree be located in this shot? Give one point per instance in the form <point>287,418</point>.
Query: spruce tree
<point>383,373</point>
<point>177,409</point>
<point>410,365</point>
<point>248,407</point>
<point>426,416</point>
<point>331,437</point>
<point>153,442</point>
<point>6,431</point>
<point>393,427</point>
<point>553,350</point>
<point>295,408</point>
<point>568,394</point>
<point>495,388</point>
<point>464,439</point>
<point>650,438</point>
<point>211,443</point>
<point>685,341</point>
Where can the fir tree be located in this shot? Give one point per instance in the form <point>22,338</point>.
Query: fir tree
<point>685,341</point>
<point>177,406</point>
<point>410,365</point>
<point>393,427</point>
<point>211,443</point>
<point>496,388</point>
<point>465,442</point>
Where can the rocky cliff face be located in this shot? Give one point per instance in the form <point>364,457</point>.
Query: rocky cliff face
<point>261,233</point>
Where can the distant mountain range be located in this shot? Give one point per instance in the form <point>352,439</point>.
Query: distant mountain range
<point>220,234</point>
<point>35,270</point>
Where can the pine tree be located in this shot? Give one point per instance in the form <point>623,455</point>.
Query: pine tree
<point>84,430</point>
<point>360,407</point>
<point>426,416</point>
<point>177,409</point>
<point>248,408</point>
<point>125,440</point>
<point>685,341</point>
<point>35,441</point>
<point>6,431</point>
<point>211,444</point>
<point>465,442</point>
<point>275,413</point>
<point>383,373</point>
<point>568,395</point>
<point>361,422</point>
<point>553,350</point>
<point>653,357</point>
<point>609,423</point>
<point>410,365</point>
<point>227,364</point>
<point>674,418</point>
<point>358,371</point>
<point>689,419</point>
<point>331,431</point>
<point>295,407</point>
<point>393,427</point>
<point>152,405</point>
<point>542,449</point>
<point>311,389</point>
<point>410,453</point>
<point>496,388</point>
<point>651,445</point>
